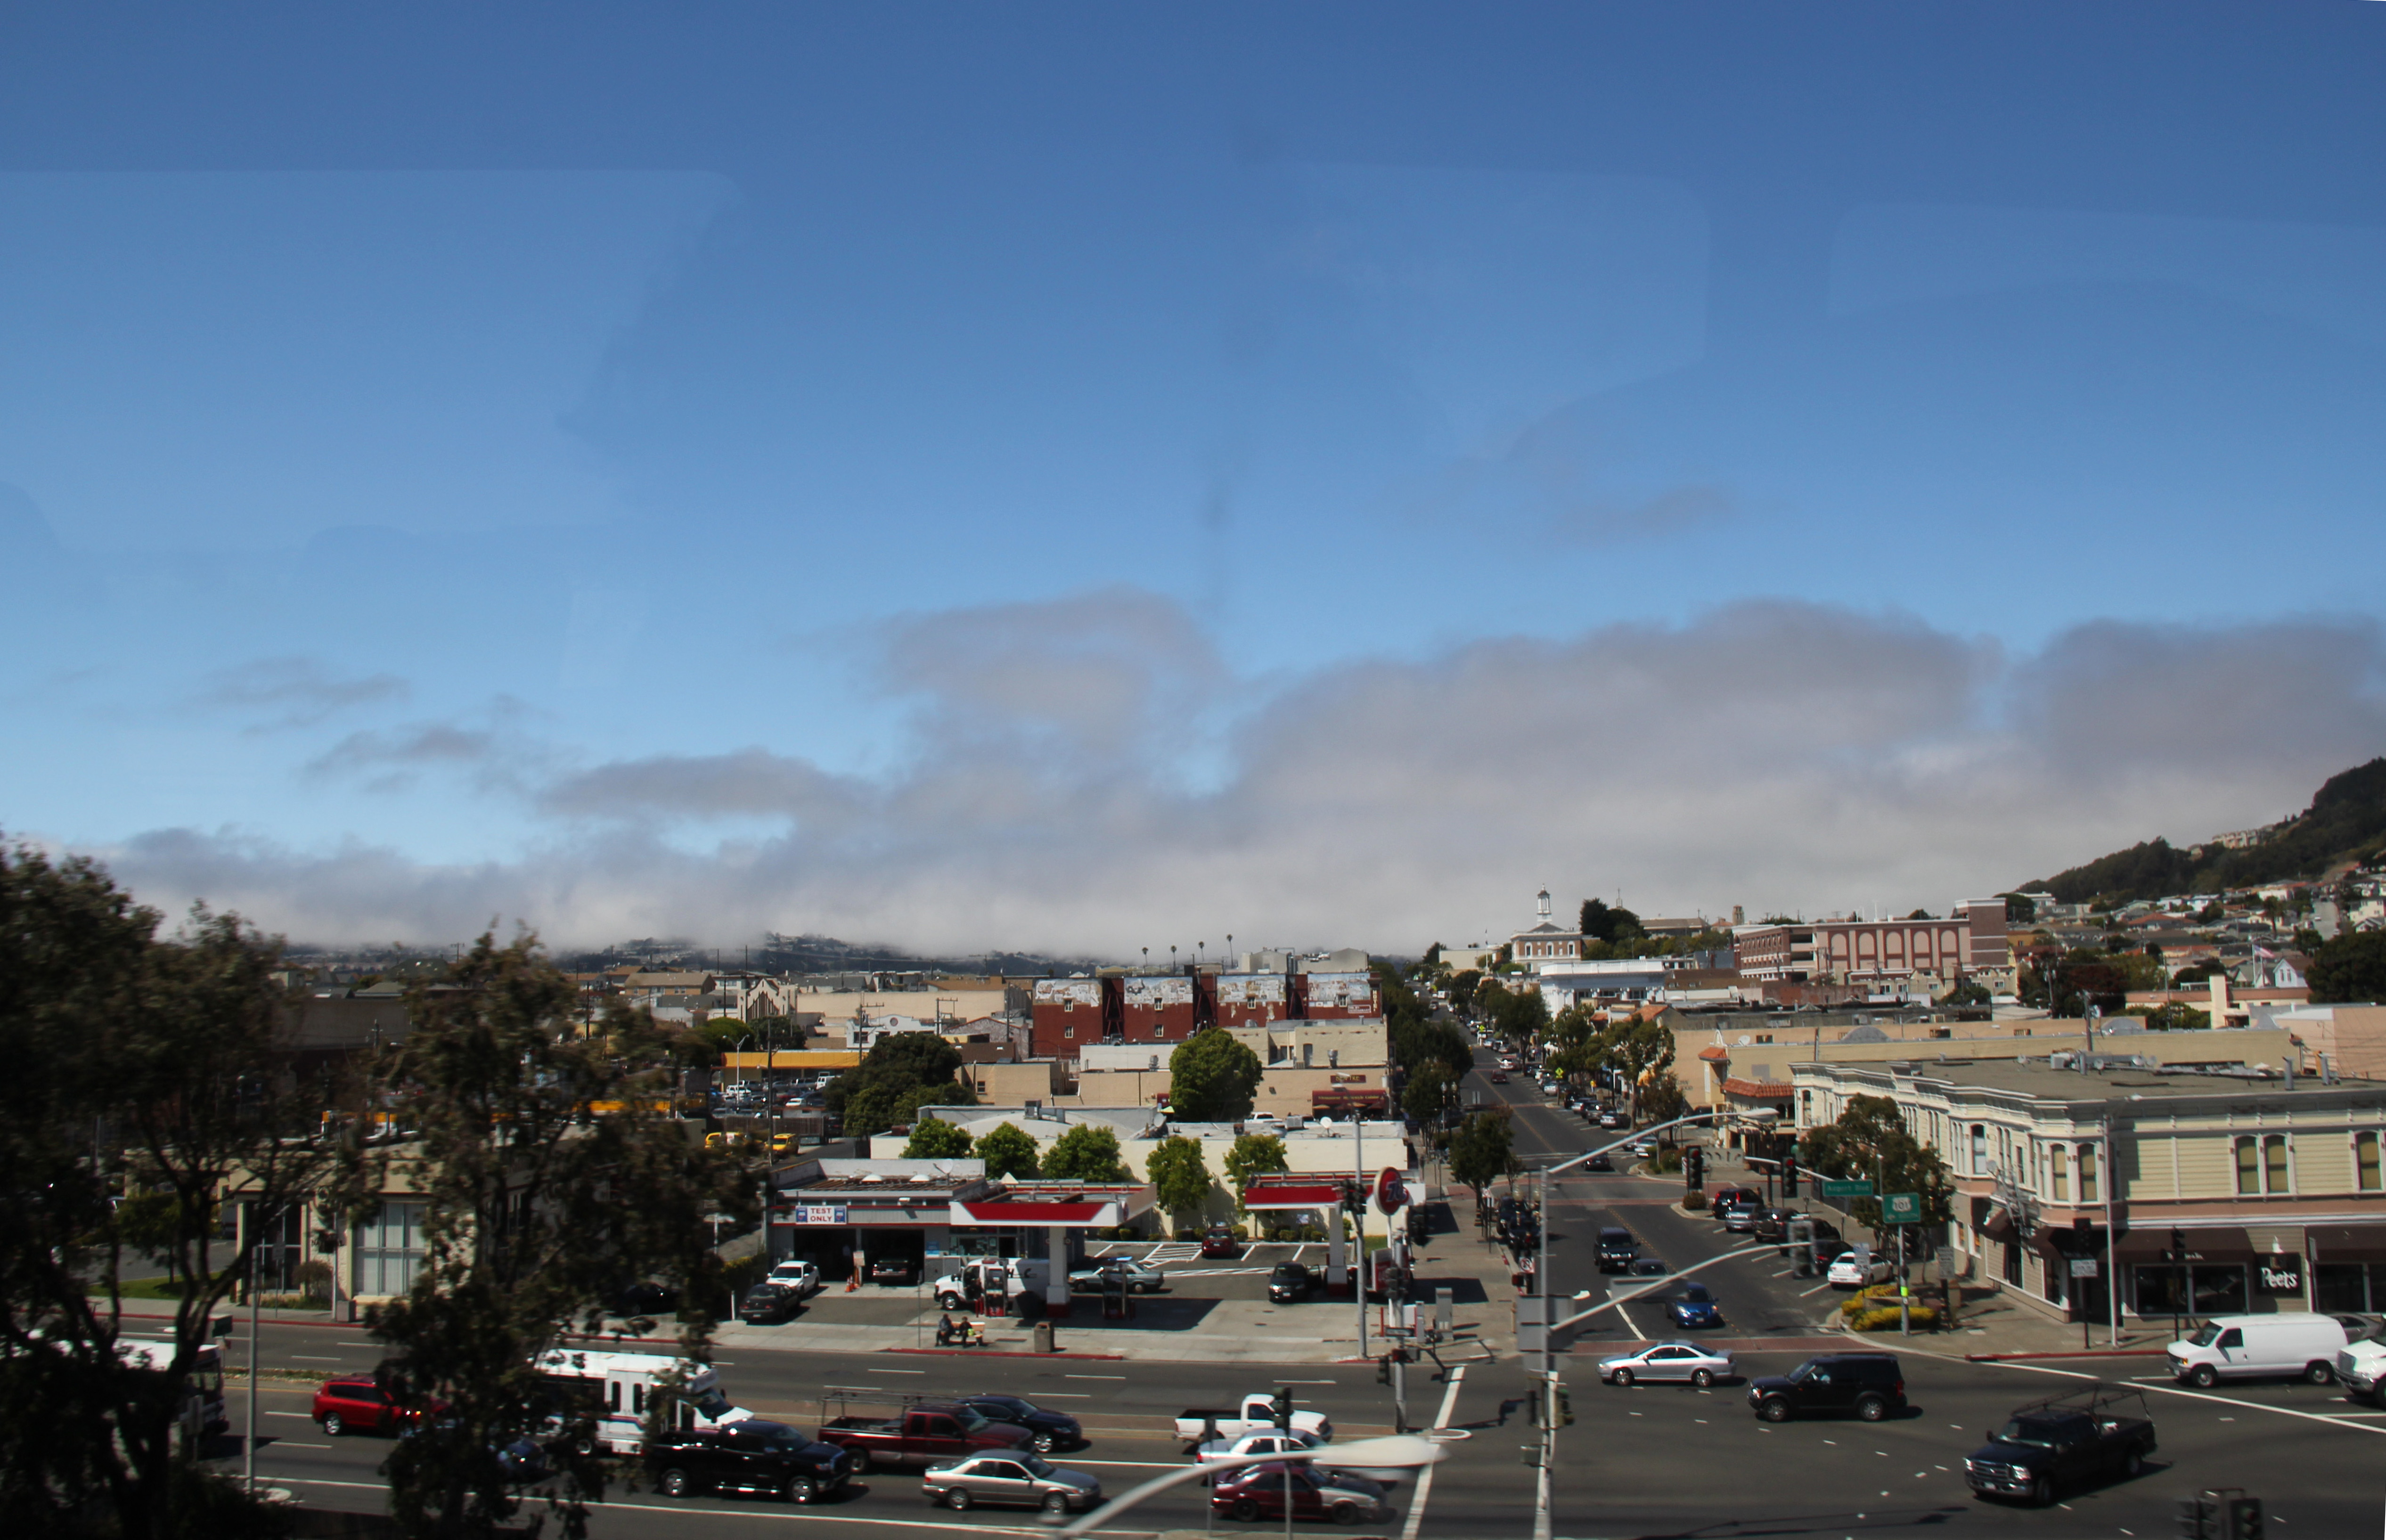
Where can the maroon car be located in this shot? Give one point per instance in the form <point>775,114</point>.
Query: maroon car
<point>357,1405</point>
<point>1220,1242</point>
<point>1258,1492</point>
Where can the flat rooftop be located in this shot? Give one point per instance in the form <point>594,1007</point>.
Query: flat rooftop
<point>2037,1077</point>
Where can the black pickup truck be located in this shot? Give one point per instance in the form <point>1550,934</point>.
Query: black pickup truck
<point>2050,1446</point>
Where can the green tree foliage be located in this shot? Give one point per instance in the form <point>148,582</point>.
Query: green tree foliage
<point>1417,1039</point>
<point>139,1066</point>
<point>535,1211</point>
<point>1869,1141</point>
<point>1422,1098</point>
<point>905,1072</point>
<point>1614,926</point>
<point>1971,992</point>
<point>2019,910</point>
<point>2176,1016</point>
<point>1211,1078</point>
<point>2352,967</point>
<point>1088,1152</point>
<point>1519,1015</point>
<point>1253,1154</point>
<point>1483,1150</point>
<point>1662,1099</point>
<point>1463,984</point>
<point>1008,1151</point>
<point>934,1139</point>
<point>1179,1177</point>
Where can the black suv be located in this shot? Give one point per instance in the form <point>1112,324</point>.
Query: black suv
<point>1870,1384</point>
<point>1617,1249</point>
<point>752,1456</point>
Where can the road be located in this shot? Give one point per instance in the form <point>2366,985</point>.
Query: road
<point>1649,1462</point>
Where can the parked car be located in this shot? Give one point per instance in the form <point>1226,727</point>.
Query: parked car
<point>2048,1446</point>
<point>1724,1197</point>
<point>1685,1361</point>
<point>1258,1492</point>
<point>646,1299</point>
<point>896,1271</point>
<point>769,1304</point>
<point>1102,1271</point>
<point>1617,1249</point>
<point>1870,1384</point>
<point>1046,1431</point>
<point>1219,1243</point>
<point>1857,1268</point>
<point>1695,1306</point>
<point>1739,1214</point>
<point>2289,1344</point>
<point>797,1273</point>
<point>1009,1481</point>
<point>355,1403</point>
<point>1290,1281</point>
<point>1613,1117</point>
<point>750,1456</point>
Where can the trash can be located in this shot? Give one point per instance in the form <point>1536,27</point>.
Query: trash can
<point>1043,1336</point>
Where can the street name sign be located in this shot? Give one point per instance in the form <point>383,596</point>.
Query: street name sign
<point>1845,1189</point>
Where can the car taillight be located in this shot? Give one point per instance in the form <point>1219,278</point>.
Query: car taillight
<point>1899,1388</point>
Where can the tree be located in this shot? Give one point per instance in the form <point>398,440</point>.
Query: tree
<point>1088,1152</point>
<point>2019,910</point>
<point>2352,967</point>
<point>1611,925</point>
<point>1662,1099</point>
<point>1179,1177</point>
<point>145,1069</point>
<point>1483,1150</point>
<point>1253,1154</point>
<point>1969,992</point>
<point>876,1094</point>
<point>1423,1097</point>
<point>1007,1151</point>
<point>1870,1142</point>
<point>535,1210</point>
<point>1462,987</point>
<point>1211,1078</point>
<point>934,1139</point>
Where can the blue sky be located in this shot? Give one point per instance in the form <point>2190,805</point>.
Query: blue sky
<point>1074,478</point>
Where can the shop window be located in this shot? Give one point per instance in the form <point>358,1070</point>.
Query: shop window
<point>2248,1164</point>
<point>2087,1173</point>
<point>2059,1169</point>
<point>2276,1176</point>
<point>389,1250</point>
<point>2365,1161</point>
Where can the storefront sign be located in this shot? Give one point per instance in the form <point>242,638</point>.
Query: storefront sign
<point>2280,1275</point>
<point>817,1214</point>
<point>2083,1266</point>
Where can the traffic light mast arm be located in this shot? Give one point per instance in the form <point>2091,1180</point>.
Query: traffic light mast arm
<point>1762,1115</point>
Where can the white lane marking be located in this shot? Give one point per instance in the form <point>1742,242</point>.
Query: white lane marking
<point>1816,1289</point>
<point>2199,1396</point>
<point>894,1372</point>
<point>303,1417</point>
<point>307,1358</point>
<point>1424,1476</point>
<point>345,1344</point>
<point>286,1444</point>
<point>1133,1464</point>
<point>1297,1382</point>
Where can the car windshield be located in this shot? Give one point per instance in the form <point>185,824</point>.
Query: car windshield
<point>2035,1435</point>
<point>2206,1335</point>
<point>1804,1371</point>
<point>711,1403</point>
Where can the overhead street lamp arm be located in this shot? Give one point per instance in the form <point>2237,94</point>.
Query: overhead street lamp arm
<point>1761,1115</point>
<point>1397,1450</point>
<point>1654,1288</point>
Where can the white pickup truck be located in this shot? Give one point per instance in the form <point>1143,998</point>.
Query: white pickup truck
<point>1203,1424</point>
<point>2361,1366</point>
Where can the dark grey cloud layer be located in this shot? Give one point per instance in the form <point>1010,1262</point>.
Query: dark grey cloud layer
<point>1773,755</point>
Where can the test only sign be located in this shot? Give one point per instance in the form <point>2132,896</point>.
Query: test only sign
<point>817,1213</point>
<point>1900,1208</point>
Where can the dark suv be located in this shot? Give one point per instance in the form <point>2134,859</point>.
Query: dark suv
<point>753,1456</point>
<point>1617,1249</point>
<point>1870,1384</point>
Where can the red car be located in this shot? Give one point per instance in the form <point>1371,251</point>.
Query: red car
<point>1258,1492</point>
<point>1497,1077</point>
<point>358,1405</point>
<point>1220,1243</point>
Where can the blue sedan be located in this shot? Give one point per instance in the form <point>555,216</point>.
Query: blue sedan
<point>1694,1307</point>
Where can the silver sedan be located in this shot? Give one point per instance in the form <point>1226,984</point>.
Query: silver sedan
<point>1017,1480</point>
<point>1668,1360</point>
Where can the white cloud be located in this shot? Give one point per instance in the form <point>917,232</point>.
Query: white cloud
<point>1775,754</point>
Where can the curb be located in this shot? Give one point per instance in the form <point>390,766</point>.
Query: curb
<point>2024,1357</point>
<point>1003,1353</point>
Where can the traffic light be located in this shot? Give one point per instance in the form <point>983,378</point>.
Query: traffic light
<point>1566,1409</point>
<point>1282,1406</point>
<point>1788,1177</point>
<point>1533,1406</point>
<point>2244,1519</point>
<point>1383,1369</point>
<point>1694,1166</point>
<point>2190,1524</point>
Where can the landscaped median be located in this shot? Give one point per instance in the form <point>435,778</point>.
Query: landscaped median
<point>1876,1310</point>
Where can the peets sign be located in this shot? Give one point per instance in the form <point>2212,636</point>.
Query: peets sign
<point>2279,1274</point>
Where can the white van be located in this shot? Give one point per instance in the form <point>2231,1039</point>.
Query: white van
<point>2242,1346</point>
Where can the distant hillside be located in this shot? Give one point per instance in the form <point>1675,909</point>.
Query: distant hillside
<point>2346,821</point>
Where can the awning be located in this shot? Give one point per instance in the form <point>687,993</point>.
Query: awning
<point>2209,1244</point>
<point>1999,1225</point>
<point>1068,1215</point>
<point>2346,1243</point>
<point>1321,1195</point>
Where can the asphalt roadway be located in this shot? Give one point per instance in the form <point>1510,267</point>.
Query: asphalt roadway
<point>1650,1461</point>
